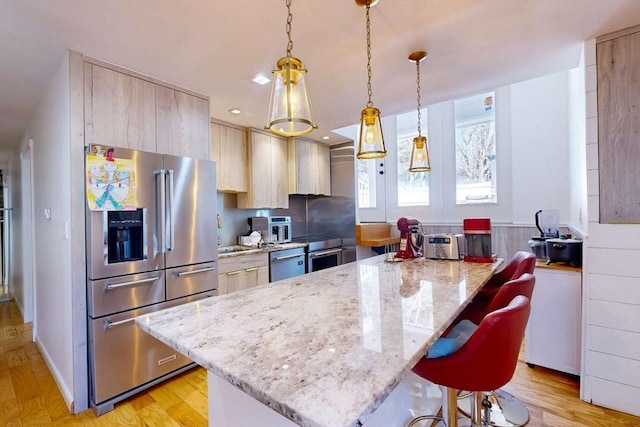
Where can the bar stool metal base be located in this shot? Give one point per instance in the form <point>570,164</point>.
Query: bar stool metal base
<point>506,409</point>
<point>462,421</point>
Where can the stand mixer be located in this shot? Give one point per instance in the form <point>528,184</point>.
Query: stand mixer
<point>411,239</point>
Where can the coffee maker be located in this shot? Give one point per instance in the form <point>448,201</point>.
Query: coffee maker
<point>477,235</point>
<point>411,238</point>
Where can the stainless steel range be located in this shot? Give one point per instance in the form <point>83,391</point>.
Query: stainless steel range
<point>322,252</point>
<point>154,254</point>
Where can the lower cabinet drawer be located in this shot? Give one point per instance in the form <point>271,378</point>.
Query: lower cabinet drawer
<point>123,357</point>
<point>189,280</point>
<point>125,293</point>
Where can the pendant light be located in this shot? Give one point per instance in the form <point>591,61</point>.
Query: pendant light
<point>290,108</point>
<point>371,140</point>
<point>419,153</point>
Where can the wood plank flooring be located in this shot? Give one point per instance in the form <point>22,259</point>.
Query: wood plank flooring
<point>29,395</point>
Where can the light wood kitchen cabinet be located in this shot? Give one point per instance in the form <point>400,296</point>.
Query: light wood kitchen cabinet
<point>267,173</point>
<point>618,65</point>
<point>323,179</point>
<point>309,167</point>
<point>119,110</point>
<point>242,272</point>
<point>182,124</point>
<point>229,151</point>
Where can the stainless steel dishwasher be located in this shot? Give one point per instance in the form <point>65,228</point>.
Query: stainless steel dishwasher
<point>286,263</point>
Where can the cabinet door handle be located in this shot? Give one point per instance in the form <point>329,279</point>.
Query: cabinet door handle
<point>231,273</point>
<point>109,287</point>
<point>187,273</point>
<point>252,269</point>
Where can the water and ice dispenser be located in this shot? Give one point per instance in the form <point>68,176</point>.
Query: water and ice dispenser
<point>125,236</point>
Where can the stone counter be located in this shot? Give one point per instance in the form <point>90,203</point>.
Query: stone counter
<point>326,348</point>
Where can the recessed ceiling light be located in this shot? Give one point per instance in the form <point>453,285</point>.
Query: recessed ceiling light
<point>235,111</point>
<point>260,79</point>
<point>326,137</point>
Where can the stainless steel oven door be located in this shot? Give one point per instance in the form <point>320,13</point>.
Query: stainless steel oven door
<point>320,260</point>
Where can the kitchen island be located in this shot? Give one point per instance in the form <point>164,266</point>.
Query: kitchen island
<point>323,349</point>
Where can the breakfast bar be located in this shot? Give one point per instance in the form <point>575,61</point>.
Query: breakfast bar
<point>321,350</point>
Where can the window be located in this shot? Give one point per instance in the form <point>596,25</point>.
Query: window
<point>475,141</point>
<point>413,188</point>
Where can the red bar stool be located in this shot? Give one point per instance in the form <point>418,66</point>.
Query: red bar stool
<point>522,262</point>
<point>477,366</point>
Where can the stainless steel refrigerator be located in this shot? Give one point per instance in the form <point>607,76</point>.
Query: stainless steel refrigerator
<point>160,251</point>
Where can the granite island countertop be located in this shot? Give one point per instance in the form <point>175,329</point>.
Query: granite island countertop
<point>326,348</point>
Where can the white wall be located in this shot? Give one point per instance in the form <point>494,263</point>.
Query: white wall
<point>540,147</point>
<point>578,148</point>
<point>534,130</point>
<point>50,130</point>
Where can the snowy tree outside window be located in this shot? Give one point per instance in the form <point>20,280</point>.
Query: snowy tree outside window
<point>475,140</point>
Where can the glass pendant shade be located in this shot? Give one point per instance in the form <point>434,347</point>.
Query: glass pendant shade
<point>420,155</point>
<point>290,108</point>
<point>371,141</point>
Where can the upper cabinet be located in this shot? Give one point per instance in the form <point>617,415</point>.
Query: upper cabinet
<point>267,172</point>
<point>119,110</point>
<point>229,151</point>
<point>126,109</point>
<point>309,167</point>
<point>182,123</point>
<point>618,65</point>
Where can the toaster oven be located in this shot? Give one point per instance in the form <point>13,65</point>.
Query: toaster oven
<point>444,246</point>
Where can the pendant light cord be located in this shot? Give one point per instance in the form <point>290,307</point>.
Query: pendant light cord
<point>418,90</point>
<point>370,92</point>
<point>288,29</point>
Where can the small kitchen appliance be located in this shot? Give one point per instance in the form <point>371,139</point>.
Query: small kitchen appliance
<point>444,246</point>
<point>568,251</point>
<point>547,221</point>
<point>477,235</point>
<point>411,238</point>
<point>279,229</point>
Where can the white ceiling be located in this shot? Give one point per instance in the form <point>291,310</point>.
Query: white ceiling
<point>215,47</point>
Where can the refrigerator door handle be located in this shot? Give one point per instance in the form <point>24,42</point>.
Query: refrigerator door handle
<point>161,229</point>
<point>172,236</point>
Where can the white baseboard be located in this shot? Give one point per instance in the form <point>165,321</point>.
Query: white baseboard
<point>66,394</point>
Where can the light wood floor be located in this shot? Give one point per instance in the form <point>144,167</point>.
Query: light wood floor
<point>30,397</point>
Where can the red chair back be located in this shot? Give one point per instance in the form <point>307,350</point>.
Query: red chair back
<point>488,359</point>
<point>523,285</point>
<point>522,262</point>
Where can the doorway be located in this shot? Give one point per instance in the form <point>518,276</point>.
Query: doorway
<point>5,238</point>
